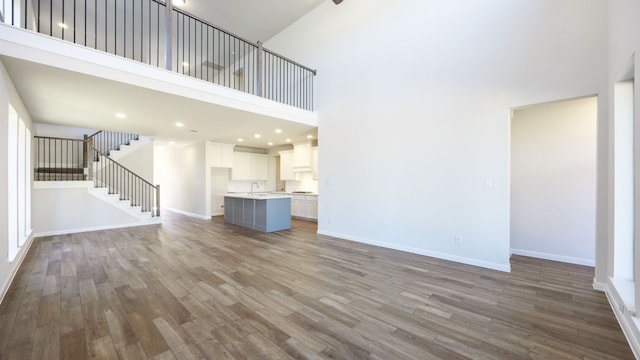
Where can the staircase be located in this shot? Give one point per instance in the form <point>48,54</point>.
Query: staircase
<point>94,159</point>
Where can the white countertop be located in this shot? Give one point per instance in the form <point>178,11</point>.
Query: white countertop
<point>297,194</point>
<point>258,196</point>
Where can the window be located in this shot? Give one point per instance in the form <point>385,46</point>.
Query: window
<point>625,270</point>
<point>12,182</point>
<point>19,183</point>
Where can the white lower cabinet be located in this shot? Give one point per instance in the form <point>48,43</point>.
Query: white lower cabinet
<point>298,205</point>
<point>304,206</point>
<point>311,207</point>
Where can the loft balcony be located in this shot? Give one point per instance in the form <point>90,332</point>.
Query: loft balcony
<point>154,33</point>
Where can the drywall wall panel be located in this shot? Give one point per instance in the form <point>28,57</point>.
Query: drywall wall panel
<point>414,102</point>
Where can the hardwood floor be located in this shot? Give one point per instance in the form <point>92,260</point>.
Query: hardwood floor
<point>191,289</point>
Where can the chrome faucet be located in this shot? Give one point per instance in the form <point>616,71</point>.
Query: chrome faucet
<point>257,187</point>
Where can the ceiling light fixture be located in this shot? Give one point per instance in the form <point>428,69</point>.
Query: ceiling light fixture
<point>270,143</point>
<point>309,136</point>
<point>278,131</point>
<point>179,124</point>
<point>172,142</point>
<point>288,140</point>
<point>240,139</point>
<point>180,2</point>
<point>121,115</point>
<point>257,136</point>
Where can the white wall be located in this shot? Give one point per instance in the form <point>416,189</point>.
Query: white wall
<point>8,95</point>
<point>140,161</point>
<point>184,179</point>
<point>553,187</point>
<point>414,99</point>
<point>69,210</point>
<point>49,130</point>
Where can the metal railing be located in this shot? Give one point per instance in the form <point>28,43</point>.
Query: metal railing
<point>59,159</point>
<point>105,141</point>
<point>157,34</point>
<point>128,185</point>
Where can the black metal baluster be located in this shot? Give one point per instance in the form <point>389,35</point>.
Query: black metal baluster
<point>74,21</point>
<point>38,21</point>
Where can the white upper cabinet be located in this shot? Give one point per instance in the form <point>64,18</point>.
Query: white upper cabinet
<point>219,155</point>
<point>302,156</point>
<point>247,166</point>
<point>286,165</point>
<point>259,167</point>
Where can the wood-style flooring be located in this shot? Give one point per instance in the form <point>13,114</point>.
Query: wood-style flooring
<point>194,289</point>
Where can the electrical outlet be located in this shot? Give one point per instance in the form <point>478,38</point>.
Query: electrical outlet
<point>457,240</point>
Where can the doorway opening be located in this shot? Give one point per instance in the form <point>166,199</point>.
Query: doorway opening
<point>553,181</point>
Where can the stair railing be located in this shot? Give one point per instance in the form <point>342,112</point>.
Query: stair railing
<point>59,159</point>
<point>105,141</point>
<point>155,33</point>
<point>130,186</point>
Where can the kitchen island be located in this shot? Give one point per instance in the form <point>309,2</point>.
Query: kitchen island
<point>259,211</point>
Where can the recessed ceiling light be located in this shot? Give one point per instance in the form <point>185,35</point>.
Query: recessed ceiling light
<point>288,140</point>
<point>278,131</point>
<point>178,2</point>
<point>179,124</point>
<point>270,143</point>
<point>172,142</point>
<point>257,136</point>
<point>309,136</point>
<point>240,139</point>
<point>62,25</point>
<point>121,115</point>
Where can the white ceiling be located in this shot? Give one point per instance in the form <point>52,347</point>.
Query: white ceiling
<point>254,20</point>
<point>61,97</point>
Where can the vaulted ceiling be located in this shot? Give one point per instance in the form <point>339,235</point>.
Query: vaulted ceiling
<point>254,20</point>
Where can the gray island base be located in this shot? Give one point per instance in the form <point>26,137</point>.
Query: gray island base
<point>263,212</point>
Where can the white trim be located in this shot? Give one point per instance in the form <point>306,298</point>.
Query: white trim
<point>413,250</point>
<point>62,184</point>
<point>628,322</point>
<point>600,286</point>
<point>554,257</point>
<point>190,214</point>
<point>17,263</point>
<point>97,228</point>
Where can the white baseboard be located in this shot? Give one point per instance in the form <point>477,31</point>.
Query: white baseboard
<point>98,228</point>
<point>600,286</point>
<point>435,254</point>
<point>628,322</point>
<point>190,214</point>
<point>219,213</point>
<point>554,257</point>
<point>16,263</point>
